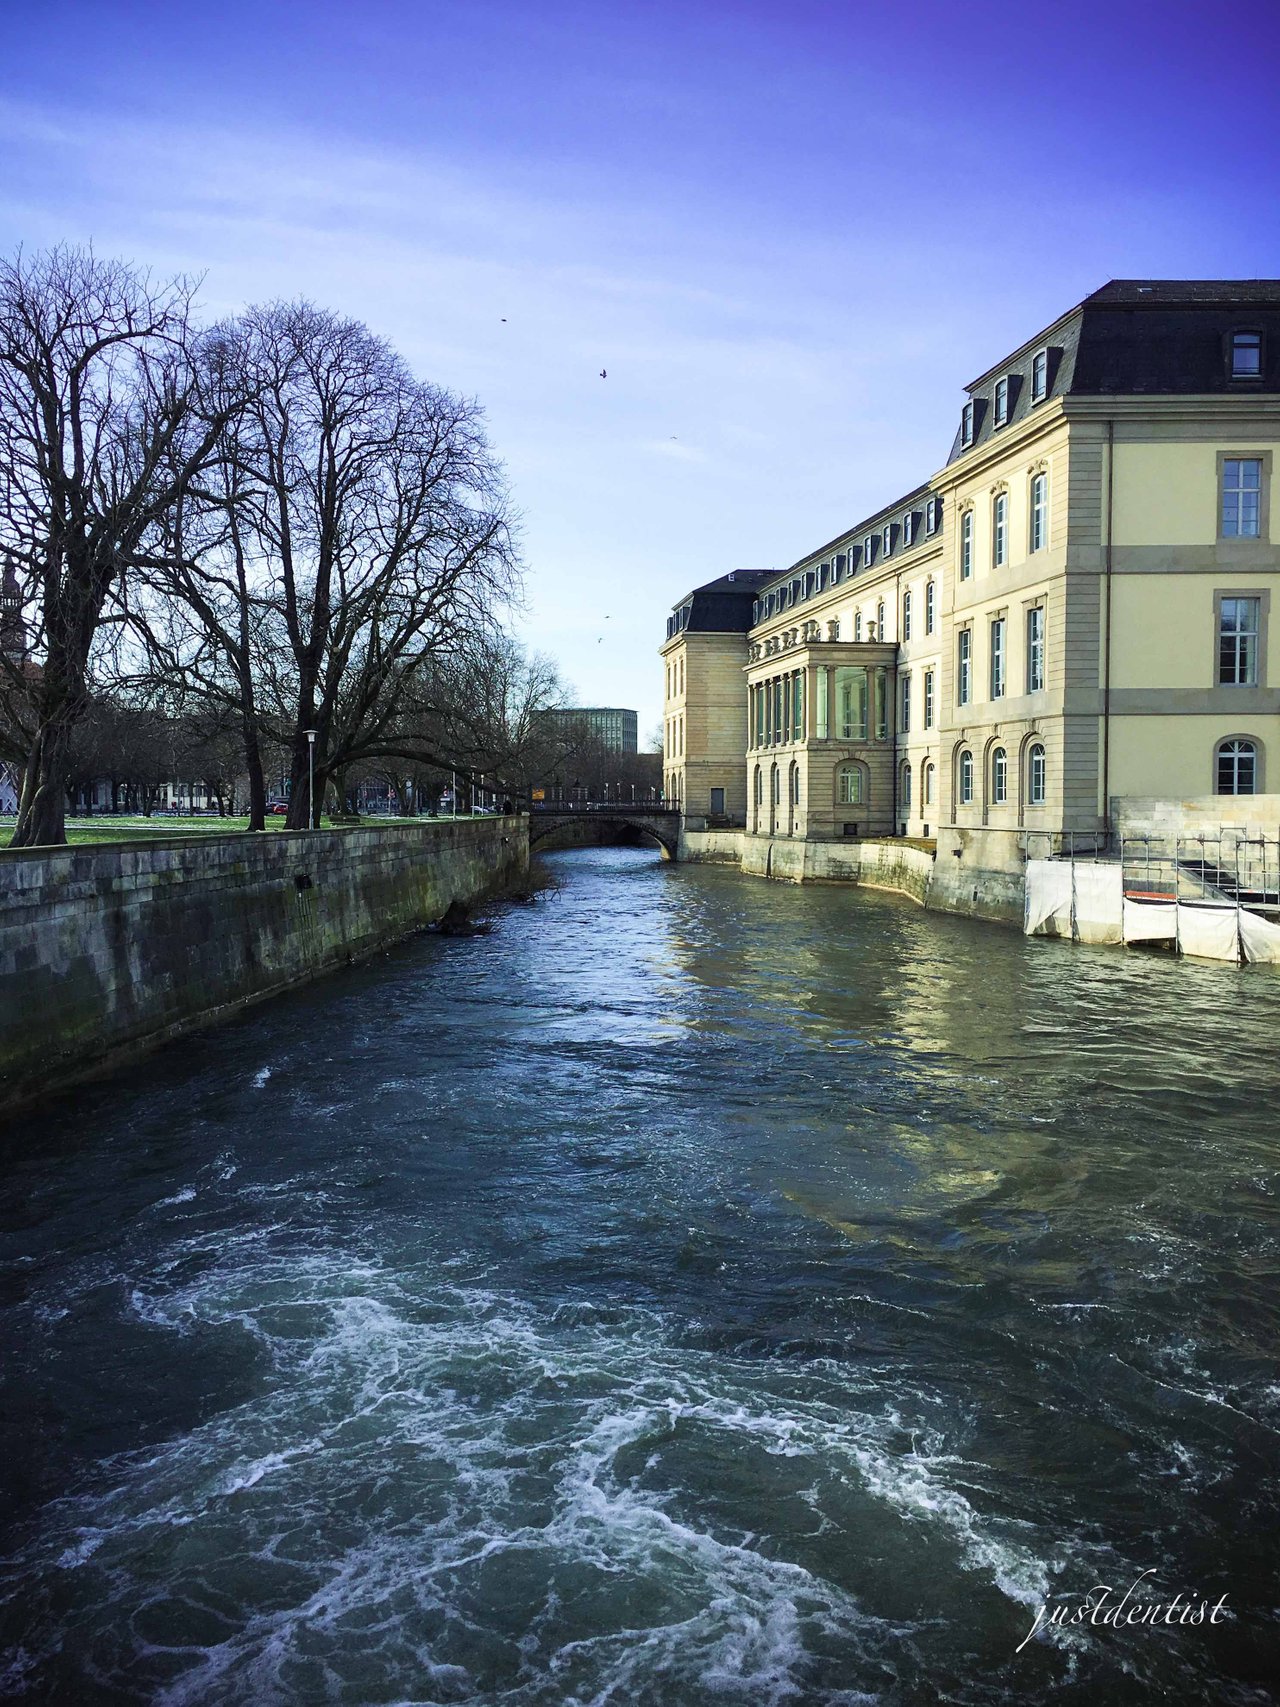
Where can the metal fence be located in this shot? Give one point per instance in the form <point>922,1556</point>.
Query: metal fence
<point>1224,864</point>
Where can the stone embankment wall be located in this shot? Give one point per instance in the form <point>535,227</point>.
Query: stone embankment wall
<point>946,885</point>
<point>105,949</point>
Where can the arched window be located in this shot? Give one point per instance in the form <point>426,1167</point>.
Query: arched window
<point>966,778</point>
<point>930,607</point>
<point>1036,776</point>
<point>759,786</point>
<point>849,785</point>
<point>999,777</point>
<point>904,790</point>
<point>880,620</point>
<point>906,616</point>
<point>775,785</point>
<point>857,625</point>
<point>928,783</point>
<point>795,785</point>
<point>1237,767</point>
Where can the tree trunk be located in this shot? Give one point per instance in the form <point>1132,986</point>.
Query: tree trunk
<point>257,780</point>
<point>42,805</point>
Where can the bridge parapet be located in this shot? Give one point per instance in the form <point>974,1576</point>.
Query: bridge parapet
<point>603,824</point>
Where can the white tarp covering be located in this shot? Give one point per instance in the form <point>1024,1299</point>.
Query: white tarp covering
<point>1048,898</point>
<point>1099,898</point>
<point>1259,937</point>
<point>1150,921</point>
<point>1210,932</point>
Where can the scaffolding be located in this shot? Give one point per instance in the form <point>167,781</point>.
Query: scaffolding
<point>1226,864</point>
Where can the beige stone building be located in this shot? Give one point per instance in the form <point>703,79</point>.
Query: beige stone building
<point>704,715</point>
<point>1066,627</point>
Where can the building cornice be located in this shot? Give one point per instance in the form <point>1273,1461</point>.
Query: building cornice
<point>1216,405</point>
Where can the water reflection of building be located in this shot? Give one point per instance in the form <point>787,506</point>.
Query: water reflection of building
<point>1068,623</point>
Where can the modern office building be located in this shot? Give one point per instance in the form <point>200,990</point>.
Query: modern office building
<point>1067,622</point>
<point>615,729</point>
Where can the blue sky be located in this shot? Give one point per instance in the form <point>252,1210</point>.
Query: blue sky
<point>789,233</point>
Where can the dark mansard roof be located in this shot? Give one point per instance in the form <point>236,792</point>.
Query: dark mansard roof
<point>1138,337</point>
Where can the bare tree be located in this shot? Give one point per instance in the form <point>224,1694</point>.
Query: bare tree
<point>375,526</point>
<point>104,422</point>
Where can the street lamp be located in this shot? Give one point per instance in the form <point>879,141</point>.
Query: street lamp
<point>311,777</point>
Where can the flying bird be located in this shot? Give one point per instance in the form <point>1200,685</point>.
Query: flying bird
<point>604,374</point>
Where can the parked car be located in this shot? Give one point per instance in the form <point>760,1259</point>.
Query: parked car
<point>278,809</point>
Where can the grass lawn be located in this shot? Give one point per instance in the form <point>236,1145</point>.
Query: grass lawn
<point>81,831</point>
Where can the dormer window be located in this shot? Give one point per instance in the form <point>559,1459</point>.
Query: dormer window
<point>908,528</point>
<point>931,510</point>
<point>1246,355</point>
<point>887,539</point>
<point>1039,376</point>
<point>966,424</point>
<point>868,550</point>
<point>1002,402</point>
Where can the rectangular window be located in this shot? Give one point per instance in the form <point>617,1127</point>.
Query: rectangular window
<point>904,705</point>
<point>797,708</point>
<point>906,616</point>
<point>717,802</point>
<point>886,540</point>
<point>1238,642</point>
<point>966,545</point>
<point>997,658</point>
<point>851,704</point>
<point>760,710</point>
<point>966,424</point>
<point>1241,497</point>
<point>824,715</point>
<point>1246,355</point>
<point>908,528</point>
<point>1039,510</point>
<point>964,677</point>
<point>1035,649</point>
<point>1002,402</point>
<point>868,551</point>
<point>930,607</point>
<point>1000,530</point>
<point>1039,376</point>
<point>928,699</point>
<point>882,706</point>
<point>931,515</point>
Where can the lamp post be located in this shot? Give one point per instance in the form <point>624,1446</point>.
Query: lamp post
<point>311,777</point>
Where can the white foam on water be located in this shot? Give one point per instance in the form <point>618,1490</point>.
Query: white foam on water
<point>439,1486</point>
<point>187,1193</point>
<point>260,1077</point>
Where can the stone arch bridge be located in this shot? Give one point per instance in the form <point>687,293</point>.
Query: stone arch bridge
<point>604,826</point>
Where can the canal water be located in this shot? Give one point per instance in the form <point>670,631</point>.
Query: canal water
<point>697,1290</point>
